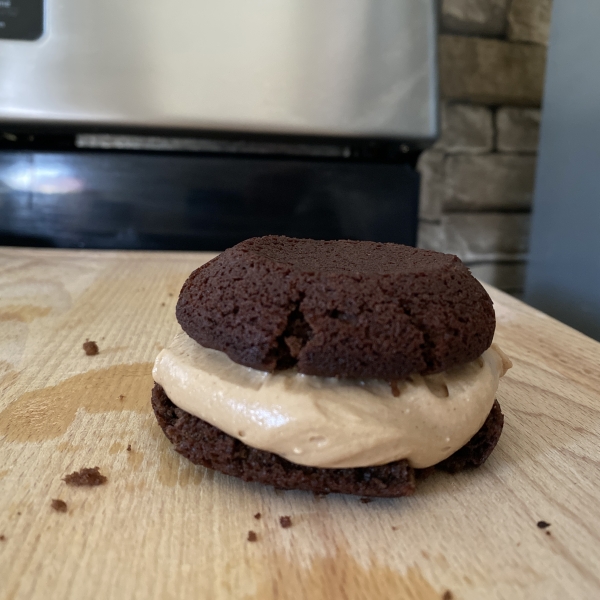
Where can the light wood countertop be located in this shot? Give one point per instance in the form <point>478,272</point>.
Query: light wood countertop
<point>163,528</point>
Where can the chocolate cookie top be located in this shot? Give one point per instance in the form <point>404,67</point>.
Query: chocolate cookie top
<point>338,308</point>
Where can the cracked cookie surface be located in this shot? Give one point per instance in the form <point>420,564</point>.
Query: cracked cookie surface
<point>338,308</point>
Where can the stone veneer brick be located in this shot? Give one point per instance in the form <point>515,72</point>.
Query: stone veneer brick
<point>466,128</point>
<point>509,276</point>
<point>482,17</point>
<point>518,129</point>
<point>477,180</point>
<point>431,194</point>
<point>478,237</point>
<point>529,21</point>
<point>491,71</point>
<point>489,182</point>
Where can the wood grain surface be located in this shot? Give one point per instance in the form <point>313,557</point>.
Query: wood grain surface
<point>162,528</point>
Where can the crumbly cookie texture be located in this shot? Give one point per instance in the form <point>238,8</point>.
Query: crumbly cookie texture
<point>339,308</point>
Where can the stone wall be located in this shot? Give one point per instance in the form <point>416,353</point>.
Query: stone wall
<point>477,180</point>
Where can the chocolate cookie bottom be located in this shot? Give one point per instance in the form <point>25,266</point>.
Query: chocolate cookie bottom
<point>210,447</point>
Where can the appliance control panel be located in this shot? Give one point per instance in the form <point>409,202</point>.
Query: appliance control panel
<point>318,69</point>
<point>21,19</point>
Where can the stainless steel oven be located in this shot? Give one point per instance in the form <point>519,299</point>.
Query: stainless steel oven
<point>195,123</point>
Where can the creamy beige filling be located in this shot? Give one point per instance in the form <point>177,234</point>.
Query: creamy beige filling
<point>329,422</point>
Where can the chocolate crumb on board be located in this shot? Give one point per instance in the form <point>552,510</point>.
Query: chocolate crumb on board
<point>395,388</point>
<point>90,348</point>
<point>121,397</point>
<point>548,533</point>
<point>257,516</point>
<point>447,595</point>
<point>85,477</point>
<point>2,537</point>
<point>128,447</point>
<point>162,304</point>
<point>59,505</point>
<point>366,500</point>
<point>543,524</point>
<point>252,537</point>
<point>394,528</point>
<point>285,522</point>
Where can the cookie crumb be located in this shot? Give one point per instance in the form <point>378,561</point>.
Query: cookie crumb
<point>129,448</point>
<point>543,524</point>
<point>257,516</point>
<point>366,500</point>
<point>2,537</point>
<point>548,533</point>
<point>252,537</point>
<point>90,348</point>
<point>121,397</point>
<point>19,513</point>
<point>395,388</point>
<point>394,528</point>
<point>59,505</point>
<point>85,477</point>
<point>448,595</point>
<point>285,522</point>
<point>162,304</point>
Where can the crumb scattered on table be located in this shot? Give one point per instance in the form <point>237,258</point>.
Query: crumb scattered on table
<point>394,528</point>
<point>548,533</point>
<point>395,388</point>
<point>128,447</point>
<point>59,505</point>
<point>90,348</point>
<point>162,304</point>
<point>121,397</point>
<point>285,521</point>
<point>2,537</point>
<point>85,477</point>
<point>543,524</point>
<point>447,595</point>
<point>366,500</point>
<point>257,516</point>
<point>252,537</point>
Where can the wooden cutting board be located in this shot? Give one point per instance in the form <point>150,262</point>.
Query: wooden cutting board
<point>163,528</point>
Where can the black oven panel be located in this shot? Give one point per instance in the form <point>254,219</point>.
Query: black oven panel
<point>21,19</point>
<point>172,201</point>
